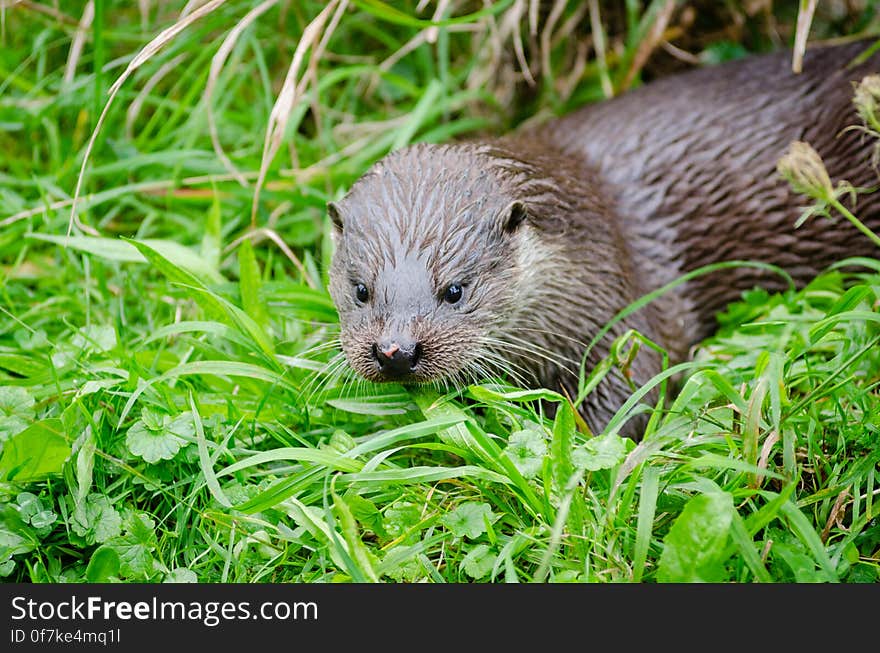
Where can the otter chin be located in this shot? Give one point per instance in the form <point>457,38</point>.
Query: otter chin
<point>455,263</point>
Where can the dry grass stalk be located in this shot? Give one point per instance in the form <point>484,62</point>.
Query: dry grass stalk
<point>599,47</point>
<point>649,43</point>
<point>515,17</point>
<point>145,54</point>
<point>546,34</point>
<point>257,235</point>
<point>804,20</point>
<point>79,39</point>
<point>134,109</point>
<point>40,8</point>
<point>217,62</point>
<point>287,97</point>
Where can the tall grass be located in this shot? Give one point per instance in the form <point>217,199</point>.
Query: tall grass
<point>169,408</point>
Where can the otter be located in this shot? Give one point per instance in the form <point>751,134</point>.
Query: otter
<point>455,262</point>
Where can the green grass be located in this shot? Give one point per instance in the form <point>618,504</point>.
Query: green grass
<point>165,413</point>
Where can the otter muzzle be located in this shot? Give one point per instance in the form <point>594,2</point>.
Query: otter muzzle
<point>395,360</point>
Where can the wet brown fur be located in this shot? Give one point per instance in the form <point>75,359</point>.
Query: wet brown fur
<point>619,198</point>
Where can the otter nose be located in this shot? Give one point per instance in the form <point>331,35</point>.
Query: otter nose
<point>396,359</point>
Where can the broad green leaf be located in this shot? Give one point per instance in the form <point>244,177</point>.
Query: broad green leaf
<point>135,547</point>
<point>29,504</point>
<point>11,425</point>
<point>468,519</point>
<point>103,566</point>
<point>43,520</point>
<point>249,283</point>
<point>423,474</point>
<point>31,339</point>
<point>694,548</point>
<point>85,464</point>
<point>340,442</point>
<point>398,403</point>
<point>113,249</point>
<point>15,400</point>
<point>401,518</point>
<point>491,394</point>
<point>323,457</point>
<point>401,563</point>
<point>207,465</point>
<point>15,536</point>
<point>478,562</point>
<point>602,452</point>
<point>211,301</point>
<point>802,566</point>
<point>95,337</point>
<point>95,519</point>
<point>36,453</point>
<point>32,511</point>
<point>181,575</point>
<point>16,410</point>
<point>212,243</point>
<point>26,366</point>
<point>159,441</point>
<point>362,559</point>
<point>366,512</point>
<point>526,450</point>
<point>561,446</point>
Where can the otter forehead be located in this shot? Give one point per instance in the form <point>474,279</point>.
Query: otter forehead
<point>406,285</point>
<point>436,204</point>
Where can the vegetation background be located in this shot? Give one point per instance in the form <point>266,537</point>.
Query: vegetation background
<point>172,408</point>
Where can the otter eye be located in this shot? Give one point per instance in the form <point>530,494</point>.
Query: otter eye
<point>361,292</point>
<point>452,294</point>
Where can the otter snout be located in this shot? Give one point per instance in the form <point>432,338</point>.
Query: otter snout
<point>396,359</point>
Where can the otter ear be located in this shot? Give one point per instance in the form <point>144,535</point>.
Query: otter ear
<point>513,216</point>
<point>335,215</point>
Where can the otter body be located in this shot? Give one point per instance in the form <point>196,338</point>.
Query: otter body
<point>458,261</point>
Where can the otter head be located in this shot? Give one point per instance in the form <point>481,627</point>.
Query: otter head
<point>429,249</point>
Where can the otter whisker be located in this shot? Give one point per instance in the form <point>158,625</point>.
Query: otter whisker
<point>328,375</point>
<point>321,347</point>
<point>534,355</point>
<point>554,334</point>
<point>541,362</point>
<point>536,348</point>
<point>506,367</point>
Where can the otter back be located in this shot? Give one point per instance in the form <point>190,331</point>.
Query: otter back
<point>690,164</point>
<point>458,261</point>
